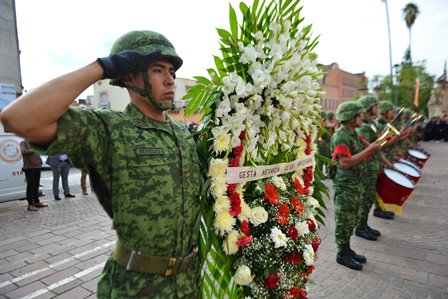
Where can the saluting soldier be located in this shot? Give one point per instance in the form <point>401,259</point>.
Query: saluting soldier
<point>350,154</point>
<point>143,165</point>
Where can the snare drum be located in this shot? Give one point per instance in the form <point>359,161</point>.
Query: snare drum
<point>417,157</point>
<point>410,163</point>
<point>408,170</point>
<point>392,190</point>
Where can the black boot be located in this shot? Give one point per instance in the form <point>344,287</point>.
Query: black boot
<point>374,232</point>
<point>357,257</point>
<point>344,258</point>
<point>382,214</point>
<point>365,234</point>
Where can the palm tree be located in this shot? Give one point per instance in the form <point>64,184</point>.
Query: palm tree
<point>410,12</point>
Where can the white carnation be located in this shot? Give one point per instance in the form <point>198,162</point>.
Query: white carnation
<point>243,275</point>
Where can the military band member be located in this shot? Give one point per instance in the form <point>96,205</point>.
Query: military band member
<point>368,133</point>
<point>350,154</point>
<point>386,113</point>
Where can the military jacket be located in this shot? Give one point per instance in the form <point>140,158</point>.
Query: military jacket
<point>347,143</point>
<point>145,174</point>
<point>369,131</point>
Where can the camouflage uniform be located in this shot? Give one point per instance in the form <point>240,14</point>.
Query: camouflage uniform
<point>146,176</point>
<point>347,188</point>
<point>369,132</point>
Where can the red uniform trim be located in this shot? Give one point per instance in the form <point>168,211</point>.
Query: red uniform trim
<point>341,150</point>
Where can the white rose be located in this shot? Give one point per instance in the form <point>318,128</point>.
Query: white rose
<point>243,275</point>
<point>258,216</point>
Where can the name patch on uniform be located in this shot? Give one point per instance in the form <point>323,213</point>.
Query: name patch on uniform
<point>152,151</point>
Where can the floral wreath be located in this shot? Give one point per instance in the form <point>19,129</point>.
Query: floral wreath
<point>260,121</point>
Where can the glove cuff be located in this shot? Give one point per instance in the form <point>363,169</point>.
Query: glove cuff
<point>109,69</point>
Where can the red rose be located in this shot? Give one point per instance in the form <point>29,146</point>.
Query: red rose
<point>311,225</point>
<point>310,270</point>
<point>245,227</point>
<point>315,243</point>
<point>271,281</point>
<point>293,258</point>
<point>296,293</point>
<point>292,232</point>
<point>271,194</point>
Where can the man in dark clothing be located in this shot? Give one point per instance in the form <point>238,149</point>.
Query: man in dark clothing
<point>32,167</point>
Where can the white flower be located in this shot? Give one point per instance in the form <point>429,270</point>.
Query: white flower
<point>246,211</point>
<point>308,255</point>
<point>249,54</point>
<point>302,228</point>
<point>258,216</point>
<point>222,204</point>
<point>229,245</point>
<point>221,143</point>
<point>313,202</point>
<point>278,182</point>
<point>224,222</point>
<point>217,167</point>
<point>278,237</point>
<point>243,275</point>
<point>219,186</point>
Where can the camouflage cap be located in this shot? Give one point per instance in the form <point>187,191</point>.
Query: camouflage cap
<point>368,101</point>
<point>330,115</point>
<point>348,110</point>
<point>385,106</point>
<point>145,42</point>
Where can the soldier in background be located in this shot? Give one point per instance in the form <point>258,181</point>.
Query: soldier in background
<point>368,133</point>
<point>350,154</point>
<point>386,113</point>
<point>143,165</point>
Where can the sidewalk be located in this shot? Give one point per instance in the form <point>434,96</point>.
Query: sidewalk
<point>410,258</point>
<point>59,251</point>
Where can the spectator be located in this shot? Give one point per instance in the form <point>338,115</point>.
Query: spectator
<point>32,167</point>
<point>60,165</point>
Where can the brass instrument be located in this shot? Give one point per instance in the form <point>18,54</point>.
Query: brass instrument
<point>389,133</point>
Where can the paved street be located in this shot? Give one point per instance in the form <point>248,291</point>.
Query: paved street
<point>59,251</point>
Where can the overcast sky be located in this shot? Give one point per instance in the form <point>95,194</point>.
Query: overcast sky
<point>56,37</point>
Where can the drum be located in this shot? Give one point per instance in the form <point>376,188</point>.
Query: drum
<point>410,163</point>
<point>392,190</point>
<point>417,157</point>
<point>408,170</point>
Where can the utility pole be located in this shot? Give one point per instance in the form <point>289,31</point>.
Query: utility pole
<point>390,50</point>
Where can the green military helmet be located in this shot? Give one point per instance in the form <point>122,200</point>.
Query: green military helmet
<point>368,101</point>
<point>330,115</point>
<point>145,42</point>
<point>385,106</point>
<point>348,110</point>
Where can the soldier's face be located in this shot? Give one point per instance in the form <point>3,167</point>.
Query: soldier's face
<point>374,110</point>
<point>161,77</point>
<point>358,120</point>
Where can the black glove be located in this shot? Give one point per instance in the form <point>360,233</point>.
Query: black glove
<point>120,64</point>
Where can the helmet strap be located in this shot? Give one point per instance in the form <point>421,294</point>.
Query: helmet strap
<point>147,93</point>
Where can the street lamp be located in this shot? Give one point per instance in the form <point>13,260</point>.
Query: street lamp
<point>390,44</point>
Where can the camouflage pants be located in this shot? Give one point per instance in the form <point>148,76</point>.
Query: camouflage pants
<point>347,199</point>
<point>118,283</point>
<point>368,197</point>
